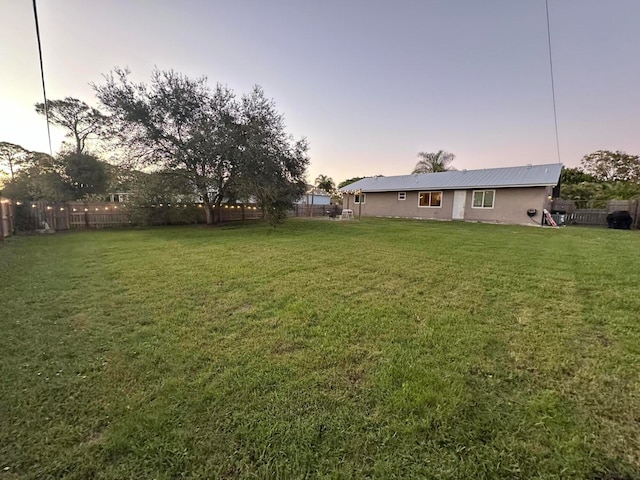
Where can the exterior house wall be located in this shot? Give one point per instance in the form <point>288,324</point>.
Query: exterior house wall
<point>510,205</point>
<point>386,204</point>
<point>308,199</point>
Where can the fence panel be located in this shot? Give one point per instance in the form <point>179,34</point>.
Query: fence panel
<point>6,218</point>
<point>588,216</point>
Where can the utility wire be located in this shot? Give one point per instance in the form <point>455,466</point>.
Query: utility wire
<point>553,89</point>
<point>44,89</point>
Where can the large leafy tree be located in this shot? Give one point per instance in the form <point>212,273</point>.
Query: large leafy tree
<point>81,121</point>
<point>272,165</point>
<point>607,166</point>
<point>434,162</point>
<point>178,123</point>
<point>40,178</point>
<point>12,156</point>
<point>349,181</point>
<point>574,176</point>
<point>226,148</point>
<point>85,174</point>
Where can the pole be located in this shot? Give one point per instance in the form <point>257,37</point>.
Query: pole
<point>359,204</point>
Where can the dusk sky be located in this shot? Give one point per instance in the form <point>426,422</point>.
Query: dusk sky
<point>369,83</point>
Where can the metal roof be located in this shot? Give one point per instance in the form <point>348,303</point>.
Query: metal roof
<point>526,176</point>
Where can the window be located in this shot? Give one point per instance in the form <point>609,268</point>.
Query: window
<point>402,195</point>
<point>430,199</point>
<point>359,196</point>
<point>483,198</point>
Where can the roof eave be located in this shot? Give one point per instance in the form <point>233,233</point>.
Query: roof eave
<point>459,187</point>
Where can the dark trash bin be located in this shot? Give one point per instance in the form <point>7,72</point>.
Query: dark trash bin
<point>559,216</point>
<point>620,219</point>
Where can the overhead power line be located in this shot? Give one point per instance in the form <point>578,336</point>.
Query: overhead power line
<point>553,89</point>
<point>44,89</point>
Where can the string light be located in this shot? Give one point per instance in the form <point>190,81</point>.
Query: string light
<point>86,209</point>
<point>33,206</point>
<point>74,210</point>
<point>62,209</point>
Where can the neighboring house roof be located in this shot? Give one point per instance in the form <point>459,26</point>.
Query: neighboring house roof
<point>526,176</point>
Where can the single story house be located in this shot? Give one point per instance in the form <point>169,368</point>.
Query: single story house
<point>516,195</point>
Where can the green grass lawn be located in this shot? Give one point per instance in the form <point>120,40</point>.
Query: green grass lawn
<point>380,348</point>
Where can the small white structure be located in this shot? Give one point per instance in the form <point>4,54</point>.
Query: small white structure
<point>347,214</point>
<point>315,196</point>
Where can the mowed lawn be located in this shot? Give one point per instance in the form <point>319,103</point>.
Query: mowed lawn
<point>377,348</point>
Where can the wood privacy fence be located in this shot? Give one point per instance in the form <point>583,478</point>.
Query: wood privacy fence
<point>598,216</point>
<point>306,210</point>
<point>587,216</point>
<point>6,218</point>
<point>40,215</point>
<point>43,215</point>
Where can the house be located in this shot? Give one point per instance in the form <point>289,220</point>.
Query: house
<point>514,195</point>
<point>315,196</point>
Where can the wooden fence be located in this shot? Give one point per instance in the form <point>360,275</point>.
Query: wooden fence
<point>305,210</point>
<point>587,216</point>
<point>40,215</point>
<point>598,216</point>
<point>6,218</point>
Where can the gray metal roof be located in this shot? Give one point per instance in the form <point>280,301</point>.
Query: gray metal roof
<point>527,176</point>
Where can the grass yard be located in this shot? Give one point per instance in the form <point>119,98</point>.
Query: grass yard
<point>381,348</point>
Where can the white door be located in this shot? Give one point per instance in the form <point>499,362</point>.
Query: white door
<point>459,199</point>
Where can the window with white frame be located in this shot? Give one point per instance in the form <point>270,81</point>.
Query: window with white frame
<point>483,198</point>
<point>430,199</point>
<point>402,195</point>
<point>360,198</point>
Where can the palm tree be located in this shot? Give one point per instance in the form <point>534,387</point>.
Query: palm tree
<point>434,162</point>
<point>325,183</point>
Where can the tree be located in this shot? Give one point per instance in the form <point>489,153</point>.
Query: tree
<point>152,195</point>
<point>434,162</point>
<point>81,121</point>
<point>40,178</point>
<point>349,181</point>
<point>272,166</point>
<point>178,124</point>
<point>85,174</point>
<point>607,166</point>
<point>12,156</point>
<point>325,183</point>
<point>574,176</point>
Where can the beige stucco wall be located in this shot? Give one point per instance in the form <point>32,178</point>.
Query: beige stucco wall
<point>510,206</point>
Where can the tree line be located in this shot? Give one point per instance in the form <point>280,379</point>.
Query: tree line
<point>196,139</point>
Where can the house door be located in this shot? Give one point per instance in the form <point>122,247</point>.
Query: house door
<point>459,199</point>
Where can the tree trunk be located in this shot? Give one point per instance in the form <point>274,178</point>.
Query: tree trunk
<point>210,213</point>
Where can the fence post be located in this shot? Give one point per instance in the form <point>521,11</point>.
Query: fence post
<point>2,220</point>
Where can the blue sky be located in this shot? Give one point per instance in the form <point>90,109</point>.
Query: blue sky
<point>369,83</point>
